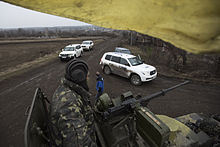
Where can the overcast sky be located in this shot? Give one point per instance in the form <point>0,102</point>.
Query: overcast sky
<point>17,17</point>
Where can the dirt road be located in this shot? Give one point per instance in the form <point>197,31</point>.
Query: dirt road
<point>16,92</point>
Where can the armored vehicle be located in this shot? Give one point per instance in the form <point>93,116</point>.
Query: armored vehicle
<point>126,121</point>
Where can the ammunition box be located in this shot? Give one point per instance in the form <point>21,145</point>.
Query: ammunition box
<point>151,128</point>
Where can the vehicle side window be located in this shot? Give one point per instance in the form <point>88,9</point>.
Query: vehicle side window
<point>115,59</point>
<point>108,57</point>
<point>78,47</point>
<point>124,62</point>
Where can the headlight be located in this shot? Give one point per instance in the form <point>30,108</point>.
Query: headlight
<point>145,73</point>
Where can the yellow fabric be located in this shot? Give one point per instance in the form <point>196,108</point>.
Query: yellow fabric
<point>193,25</point>
<point>179,133</point>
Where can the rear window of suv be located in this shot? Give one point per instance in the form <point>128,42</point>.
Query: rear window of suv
<point>108,57</point>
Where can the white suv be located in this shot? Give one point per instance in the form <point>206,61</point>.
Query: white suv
<point>71,51</point>
<point>87,45</point>
<point>128,66</point>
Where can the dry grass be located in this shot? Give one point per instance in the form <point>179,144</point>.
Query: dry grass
<point>27,66</point>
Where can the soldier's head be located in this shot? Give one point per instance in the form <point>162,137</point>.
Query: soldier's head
<point>97,74</point>
<point>77,71</point>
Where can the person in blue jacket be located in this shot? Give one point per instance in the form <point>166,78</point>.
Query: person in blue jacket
<point>99,85</point>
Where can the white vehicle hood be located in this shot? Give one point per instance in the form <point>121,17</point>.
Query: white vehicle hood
<point>67,52</point>
<point>143,68</point>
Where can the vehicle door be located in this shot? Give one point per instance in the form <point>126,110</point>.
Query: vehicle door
<point>124,67</point>
<point>114,64</point>
<point>91,44</point>
<point>78,51</point>
<point>72,51</point>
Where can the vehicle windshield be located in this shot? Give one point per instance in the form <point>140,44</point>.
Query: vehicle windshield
<point>78,47</point>
<point>86,42</point>
<point>122,50</point>
<point>135,61</point>
<point>69,49</point>
<point>126,51</point>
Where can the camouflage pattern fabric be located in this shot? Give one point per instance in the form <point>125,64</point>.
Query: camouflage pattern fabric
<point>71,116</point>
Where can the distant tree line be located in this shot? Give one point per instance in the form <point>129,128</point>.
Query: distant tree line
<point>58,32</point>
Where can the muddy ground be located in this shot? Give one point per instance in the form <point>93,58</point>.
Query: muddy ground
<point>17,90</point>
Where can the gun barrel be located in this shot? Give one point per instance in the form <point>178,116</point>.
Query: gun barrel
<point>123,107</point>
<point>162,92</point>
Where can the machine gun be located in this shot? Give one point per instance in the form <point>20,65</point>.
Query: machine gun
<point>120,121</point>
<point>127,102</point>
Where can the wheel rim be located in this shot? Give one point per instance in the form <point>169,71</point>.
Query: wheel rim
<point>107,70</point>
<point>135,80</point>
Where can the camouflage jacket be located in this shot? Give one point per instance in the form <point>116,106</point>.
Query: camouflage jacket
<point>71,116</point>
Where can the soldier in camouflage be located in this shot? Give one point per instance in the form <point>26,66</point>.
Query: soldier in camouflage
<point>71,113</point>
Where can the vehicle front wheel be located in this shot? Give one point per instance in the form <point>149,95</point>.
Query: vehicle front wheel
<point>135,80</point>
<point>107,70</point>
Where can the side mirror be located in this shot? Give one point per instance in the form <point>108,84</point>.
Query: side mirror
<point>62,49</point>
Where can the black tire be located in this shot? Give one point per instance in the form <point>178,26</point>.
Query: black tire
<point>135,80</point>
<point>107,70</point>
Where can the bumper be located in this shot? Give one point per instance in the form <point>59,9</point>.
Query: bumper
<point>65,57</point>
<point>148,78</point>
<point>85,48</point>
